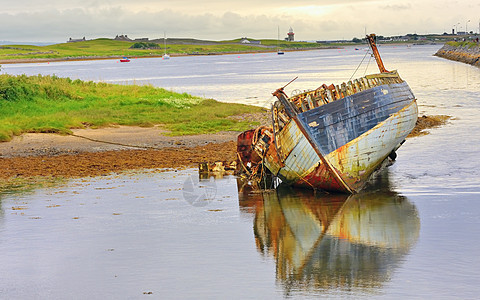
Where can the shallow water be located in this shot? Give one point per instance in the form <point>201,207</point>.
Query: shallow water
<point>412,234</point>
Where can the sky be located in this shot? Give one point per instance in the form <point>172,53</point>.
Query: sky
<point>59,20</point>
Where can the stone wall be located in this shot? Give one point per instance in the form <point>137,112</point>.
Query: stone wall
<point>469,54</point>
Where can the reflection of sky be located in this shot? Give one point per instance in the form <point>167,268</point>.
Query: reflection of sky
<point>124,235</point>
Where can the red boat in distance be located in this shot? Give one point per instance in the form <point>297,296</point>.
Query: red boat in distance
<point>125,59</point>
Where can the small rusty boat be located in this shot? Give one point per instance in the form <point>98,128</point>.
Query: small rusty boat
<point>335,137</point>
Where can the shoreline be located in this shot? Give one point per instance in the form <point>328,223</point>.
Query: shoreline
<point>119,138</point>
<point>88,58</point>
<point>466,54</point>
<point>271,49</point>
<point>97,152</point>
<point>88,164</point>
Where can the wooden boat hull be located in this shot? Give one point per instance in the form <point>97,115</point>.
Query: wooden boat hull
<point>337,146</point>
<point>355,161</point>
<point>335,137</point>
<point>355,136</point>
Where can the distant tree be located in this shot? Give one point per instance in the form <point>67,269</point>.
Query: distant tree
<point>144,45</point>
<point>356,40</point>
<point>413,36</point>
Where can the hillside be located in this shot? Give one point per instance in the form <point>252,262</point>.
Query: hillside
<point>108,48</point>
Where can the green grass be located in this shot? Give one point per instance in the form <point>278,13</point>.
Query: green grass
<point>53,104</point>
<point>463,44</point>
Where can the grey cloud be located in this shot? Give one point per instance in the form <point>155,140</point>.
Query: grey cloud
<point>99,19</point>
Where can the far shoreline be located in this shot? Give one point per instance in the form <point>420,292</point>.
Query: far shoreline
<point>90,58</point>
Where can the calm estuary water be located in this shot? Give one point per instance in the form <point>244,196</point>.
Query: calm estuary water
<point>413,234</point>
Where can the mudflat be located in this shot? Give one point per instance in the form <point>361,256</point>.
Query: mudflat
<point>93,152</point>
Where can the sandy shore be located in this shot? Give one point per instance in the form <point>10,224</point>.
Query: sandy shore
<point>105,139</point>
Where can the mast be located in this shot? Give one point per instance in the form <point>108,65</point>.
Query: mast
<point>371,42</point>
<point>278,37</point>
<point>165,42</point>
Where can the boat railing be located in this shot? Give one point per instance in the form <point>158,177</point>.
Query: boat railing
<point>326,94</point>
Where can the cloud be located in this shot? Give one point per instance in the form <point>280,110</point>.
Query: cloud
<point>57,20</point>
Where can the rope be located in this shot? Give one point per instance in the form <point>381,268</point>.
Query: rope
<point>366,52</point>
<point>366,68</point>
<point>114,143</point>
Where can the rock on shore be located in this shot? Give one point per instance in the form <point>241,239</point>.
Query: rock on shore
<point>467,54</point>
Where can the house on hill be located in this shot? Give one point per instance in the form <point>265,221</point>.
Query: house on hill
<point>76,40</point>
<point>247,41</point>
<point>122,37</point>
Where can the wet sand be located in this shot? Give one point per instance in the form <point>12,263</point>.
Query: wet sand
<point>93,152</point>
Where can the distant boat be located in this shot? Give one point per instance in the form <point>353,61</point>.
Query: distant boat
<point>165,56</point>
<point>125,59</point>
<point>335,137</point>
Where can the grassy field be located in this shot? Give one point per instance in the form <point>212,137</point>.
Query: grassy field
<point>53,104</point>
<point>116,48</point>
<point>463,44</point>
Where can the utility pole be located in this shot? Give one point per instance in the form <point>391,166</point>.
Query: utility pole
<point>466,31</point>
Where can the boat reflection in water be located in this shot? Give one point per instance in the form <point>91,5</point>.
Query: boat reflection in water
<point>328,243</point>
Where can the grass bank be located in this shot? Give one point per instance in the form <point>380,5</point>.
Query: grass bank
<point>56,105</point>
<point>466,44</point>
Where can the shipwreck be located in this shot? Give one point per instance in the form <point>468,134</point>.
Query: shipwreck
<point>335,137</point>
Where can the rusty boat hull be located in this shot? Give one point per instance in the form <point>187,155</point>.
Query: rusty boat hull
<point>355,136</point>
<point>335,137</point>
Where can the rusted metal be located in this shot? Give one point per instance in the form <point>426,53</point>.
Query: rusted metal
<point>335,137</point>
<point>376,54</point>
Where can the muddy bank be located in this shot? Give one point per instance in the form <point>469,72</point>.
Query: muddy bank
<point>103,163</point>
<point>103,151</point>
<point>467,54</point>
